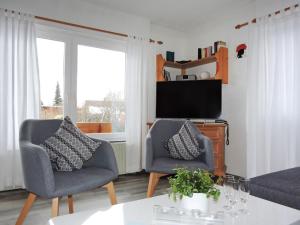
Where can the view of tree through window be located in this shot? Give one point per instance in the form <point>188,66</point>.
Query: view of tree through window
<point>100,86</point>
<point>51,69</point>
<point>100,83</point>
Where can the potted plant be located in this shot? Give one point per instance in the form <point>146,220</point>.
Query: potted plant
<point>193,188</point>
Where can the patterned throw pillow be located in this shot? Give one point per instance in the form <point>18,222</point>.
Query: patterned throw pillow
<point>69,148</point>
<point>184,144</point>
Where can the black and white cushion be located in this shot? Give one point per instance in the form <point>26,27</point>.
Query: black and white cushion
<point>69,148</point>
<point>184,144</point>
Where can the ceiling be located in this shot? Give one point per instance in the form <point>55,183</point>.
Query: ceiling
<point>177,14</point>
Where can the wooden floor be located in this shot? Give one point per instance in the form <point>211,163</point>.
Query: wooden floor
<point>128,188</point>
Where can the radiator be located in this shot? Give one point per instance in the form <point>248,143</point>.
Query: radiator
<point>120,153</point>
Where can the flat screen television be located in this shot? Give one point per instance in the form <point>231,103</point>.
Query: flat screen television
<point>201,99</point>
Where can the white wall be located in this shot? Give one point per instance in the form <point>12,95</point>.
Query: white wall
<point>234,93</point>
<point>82,12</point>
<point>173,41</point>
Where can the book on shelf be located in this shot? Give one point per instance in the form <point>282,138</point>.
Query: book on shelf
<point>166,75</point>
<point>208,51</point>
<point>203,53</point>
<point>211,50</point>
<point>199,53</point>
<point>218,45</point>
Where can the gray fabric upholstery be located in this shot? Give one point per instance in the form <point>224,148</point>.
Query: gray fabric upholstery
<point>104,157</point>
<point>37,169</point>
<point>157,157</point>
<point>88,177</point>
<point>167,165</point>
<point>38,174</point>
<point>282,187</point>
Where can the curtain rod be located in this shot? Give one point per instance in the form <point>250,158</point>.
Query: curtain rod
<point>90,28</point>
<point>239,26</point>
<point>86,27</point>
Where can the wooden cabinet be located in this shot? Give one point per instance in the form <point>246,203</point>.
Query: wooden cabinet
<point>216,132</point>
<point>220,58</point>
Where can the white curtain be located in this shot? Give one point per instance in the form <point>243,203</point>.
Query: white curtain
<point>19,90</point>
<point>139,99</point>
<point>273,95</point>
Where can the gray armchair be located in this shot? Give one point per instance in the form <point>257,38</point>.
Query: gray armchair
<point>41,180</point>
<point>158,162</point>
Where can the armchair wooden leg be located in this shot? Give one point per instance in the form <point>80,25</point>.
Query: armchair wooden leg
<point>27,206</point>
<point>111,192</point>
<point>153,181</point>
<point>55,207</point>
<point>71,204</point>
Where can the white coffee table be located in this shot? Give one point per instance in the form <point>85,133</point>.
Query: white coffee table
<point>261,212</point>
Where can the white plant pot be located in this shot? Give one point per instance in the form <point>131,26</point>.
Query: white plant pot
<point>198,201</point>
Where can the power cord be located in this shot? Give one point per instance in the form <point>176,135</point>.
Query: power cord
<point>227,129</point>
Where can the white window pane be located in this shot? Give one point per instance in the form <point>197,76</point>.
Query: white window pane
<point>100,86</point>
<point>51,69</point>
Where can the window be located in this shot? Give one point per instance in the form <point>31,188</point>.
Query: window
<point>51,69</point>
<point>100,86</point>
<point>89,71</point>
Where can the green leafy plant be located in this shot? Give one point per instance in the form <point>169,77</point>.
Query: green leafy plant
<point>187,182</point>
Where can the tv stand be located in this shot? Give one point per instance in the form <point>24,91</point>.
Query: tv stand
<point>202,120</point>
<point>216,132</point>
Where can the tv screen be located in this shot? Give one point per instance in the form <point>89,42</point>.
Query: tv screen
<point>200,99</point>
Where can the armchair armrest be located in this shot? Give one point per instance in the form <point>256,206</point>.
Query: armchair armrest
<point>37,169</point>
<point>104,157</point>
<point>149,152</point>
<point>209,152</point>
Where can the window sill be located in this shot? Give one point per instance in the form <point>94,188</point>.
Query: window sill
<point>111,137</point>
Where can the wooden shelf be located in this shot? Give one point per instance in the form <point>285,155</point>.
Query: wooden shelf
<point>199,62</point>
<point>221,59</point>
<point>173,64</point>
<point>191,64</point>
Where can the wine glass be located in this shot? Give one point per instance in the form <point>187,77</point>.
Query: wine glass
<point>228,191</point>
<point>234,197</point>
<point>244,195</point>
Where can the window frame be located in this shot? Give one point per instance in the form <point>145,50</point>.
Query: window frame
<point>72,38</point>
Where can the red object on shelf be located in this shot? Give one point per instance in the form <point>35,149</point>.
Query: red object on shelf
<point>241,47</point>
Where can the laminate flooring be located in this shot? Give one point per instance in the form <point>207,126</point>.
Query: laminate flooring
<point>128,188</point>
